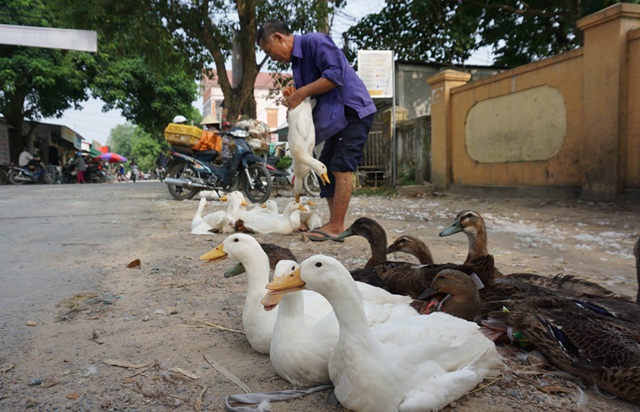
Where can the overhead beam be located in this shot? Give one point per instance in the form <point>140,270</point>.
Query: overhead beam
<point>50,38</point>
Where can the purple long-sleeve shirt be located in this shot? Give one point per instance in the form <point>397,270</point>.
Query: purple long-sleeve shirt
<point>314,56</point>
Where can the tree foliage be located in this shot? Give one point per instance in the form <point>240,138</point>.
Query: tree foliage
<point>37,82</point>
<point>207,29</point>
<point>139,69</point>
<point>133,142</point>
<point>151,49</point>
<point>449,31</point>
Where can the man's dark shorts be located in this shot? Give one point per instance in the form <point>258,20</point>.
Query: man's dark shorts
<point>342,152</point>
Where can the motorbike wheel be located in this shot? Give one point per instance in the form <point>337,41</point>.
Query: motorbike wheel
<point>311,184</point>
<point>181,171</point>
<point>13,178</point>
<point>261,190</point>
<point>48,179</point>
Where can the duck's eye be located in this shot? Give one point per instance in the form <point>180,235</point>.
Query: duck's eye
<point>293,268</point>
<point>318,264</point>
<point>236,240</point>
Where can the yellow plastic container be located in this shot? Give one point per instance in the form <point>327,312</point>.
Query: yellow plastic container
<point>182,135</point>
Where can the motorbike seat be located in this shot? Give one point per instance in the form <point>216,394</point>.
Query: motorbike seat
<point>206,153</point>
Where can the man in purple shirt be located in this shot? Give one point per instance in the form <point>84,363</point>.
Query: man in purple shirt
<point>343,114</point>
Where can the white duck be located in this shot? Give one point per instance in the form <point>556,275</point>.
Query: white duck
<point>236,209</point>
<point>284,224</point>
<point>300,349</point>
<point>302,139</point>
<point>310,219</point>
<point>216,221</point>
<point>258,323</point>
<point>419,363</point>
<point>198,225</point>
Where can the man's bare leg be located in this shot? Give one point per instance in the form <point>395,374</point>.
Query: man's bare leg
<point>338,204</point>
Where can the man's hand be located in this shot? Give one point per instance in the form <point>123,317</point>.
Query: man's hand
<point>294,99</point>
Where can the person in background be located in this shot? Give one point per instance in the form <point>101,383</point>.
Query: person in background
<point>25,157</point>
<point>81,167</point>
<point>343,114</point>
<point>133,167</point>
<point>120,175</point>
<point>161,166</point>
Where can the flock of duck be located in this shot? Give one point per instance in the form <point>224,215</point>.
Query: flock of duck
<point>263,218</point>
<point>394,335</point>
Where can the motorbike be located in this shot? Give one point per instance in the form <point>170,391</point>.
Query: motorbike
<point>34,172</point>
<point>95,173</point>
<point>244,170</point>
<point>134,173</point>
<point>160,173</point>
<point>283,179</point>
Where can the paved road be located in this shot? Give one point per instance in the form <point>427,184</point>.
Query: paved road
<point>51,236</point>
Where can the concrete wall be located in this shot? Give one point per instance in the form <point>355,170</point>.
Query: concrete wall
<point>569,123</point>
<point>632,168</point>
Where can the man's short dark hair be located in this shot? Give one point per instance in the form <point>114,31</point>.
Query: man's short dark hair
<point>271,27</point>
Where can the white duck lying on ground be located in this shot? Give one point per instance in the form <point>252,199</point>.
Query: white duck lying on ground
<point>302,140</point>
<point>258,323</point>
<point>198,225</point>
<point>237,206</point>
<point>310,219</point>
<point>216,221</point>
<point>284,224</point>
<point>300,349</point>
<point>418,363</point>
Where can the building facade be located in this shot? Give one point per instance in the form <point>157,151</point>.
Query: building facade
<point>268,110</point>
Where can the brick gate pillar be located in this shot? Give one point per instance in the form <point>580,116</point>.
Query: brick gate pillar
<point>441,85</point>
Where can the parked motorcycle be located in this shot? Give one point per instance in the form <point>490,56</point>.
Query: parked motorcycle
<point>283,179</point>
<point>95,173</point>
<point>244,170</point>
<point>34,172</point>
<point>134,173</point>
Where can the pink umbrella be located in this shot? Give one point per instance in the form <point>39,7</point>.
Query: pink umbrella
<point>111,158</point>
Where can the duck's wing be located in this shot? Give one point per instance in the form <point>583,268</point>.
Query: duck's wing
<point>216,219</point>
<point>605,353</point>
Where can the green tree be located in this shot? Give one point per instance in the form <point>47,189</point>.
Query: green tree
<point>139,68</point>
<point>206,31</point>
<point>133,142</point>
<point>38,82</point>
<point>448,31</point>
<point>120,139</point>
<point>429,30</point>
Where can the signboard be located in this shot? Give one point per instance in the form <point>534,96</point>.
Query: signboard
<point>50,38</point>
<point>375,68</point>
<point>68,135</point>
<point>4,145</point>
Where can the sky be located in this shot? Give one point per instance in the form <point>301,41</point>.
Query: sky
<point>92,124</point>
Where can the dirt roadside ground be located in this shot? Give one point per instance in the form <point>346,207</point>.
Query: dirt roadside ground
<point>149,338</point>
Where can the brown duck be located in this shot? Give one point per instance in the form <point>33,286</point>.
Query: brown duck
<point>413,246</point>
<point>452,291</point>
<point>593,345</point>
<point>472,224</point>
<point>403,278</point>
